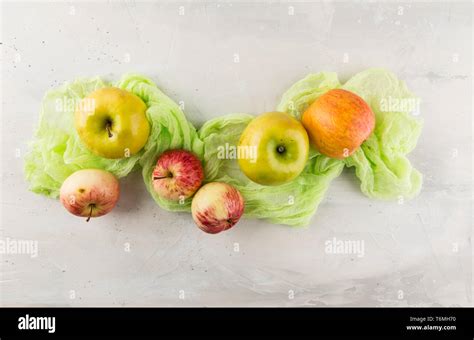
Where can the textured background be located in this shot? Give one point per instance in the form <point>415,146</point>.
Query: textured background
<point>416,253</point>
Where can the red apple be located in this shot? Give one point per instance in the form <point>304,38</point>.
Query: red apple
<point>217,207</point>
<point>177,175</point>
<point>338,122</point>
<point>90,193</point>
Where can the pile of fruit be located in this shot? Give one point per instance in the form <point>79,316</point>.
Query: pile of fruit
<point>277,165</point>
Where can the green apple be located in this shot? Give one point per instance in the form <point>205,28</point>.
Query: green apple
<point>280,146</point>
<point>112,123</point>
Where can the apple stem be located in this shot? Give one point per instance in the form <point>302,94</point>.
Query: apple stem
<point>170,175</point>
<point>90,214</point>
<point>108,126</point>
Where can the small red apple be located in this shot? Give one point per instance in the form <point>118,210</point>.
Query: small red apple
<point>178,174</point>
<point>217,207</point>
<point>338,122</point>
<point>90,193</point>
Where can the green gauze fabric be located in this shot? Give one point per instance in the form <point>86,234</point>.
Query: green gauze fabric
<point>57,151</point>
<point>381,163</point>
<point>382,168</point>
<point>293,203</point>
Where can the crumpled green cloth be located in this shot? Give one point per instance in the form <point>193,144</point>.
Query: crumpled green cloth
<point>381,163</point>
<point>56,151</point>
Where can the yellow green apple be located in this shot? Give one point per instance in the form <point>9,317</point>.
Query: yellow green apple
<point>112,123</point>
<point>280,147</point>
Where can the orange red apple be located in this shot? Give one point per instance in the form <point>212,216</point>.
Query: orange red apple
<point>338,122</point>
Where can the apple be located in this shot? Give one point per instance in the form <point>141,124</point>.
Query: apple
<point>338,122</point>
<point>281,147</point>
<point>90,193</point>
<point>112,123</point>
<point>217,207</point>
<point>178,174</point>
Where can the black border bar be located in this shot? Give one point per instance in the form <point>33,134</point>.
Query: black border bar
<point>291,323</point>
